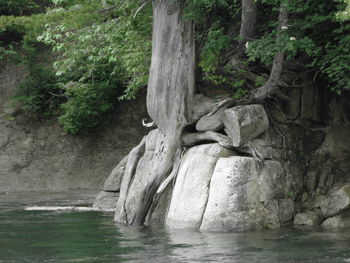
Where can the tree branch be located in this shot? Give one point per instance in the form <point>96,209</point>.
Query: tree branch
<point>271,86</point>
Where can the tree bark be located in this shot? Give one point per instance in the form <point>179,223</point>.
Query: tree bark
<point>170,92</point>
<point>133,159</point>
<point>248,22</point>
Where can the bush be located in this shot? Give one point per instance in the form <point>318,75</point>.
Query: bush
<point>100,58</point>
<point>86,106</point>
<point>39,92</point>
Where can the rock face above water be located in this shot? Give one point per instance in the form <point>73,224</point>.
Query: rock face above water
<point>191,190</point>
<point>108,197</point>
<point>244,123</point>
<point>36,155</point>
<point>268,175</point>
<point>106,200</point>
<point>308,218</point>
<point>337,222</point>
<point>211,123</point>
<point>336,202</point>
<point>244,196</point>
<point>114,180</point>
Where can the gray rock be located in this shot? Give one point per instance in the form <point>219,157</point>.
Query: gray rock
<point>337,202</point>
<point>326,178</point>
<point>106,200</point>
<point>286,210</point>
<point>143,175</point>
<point>311,102</point>
<point>293,105</point>
<point>244,123</point>
<point>311,181</point>
<point>318,201</point>
<point>308,218</point>
<point>211,123</point>
<point>191,190</point>
<point>157,216</point>
<point>114,180</point>
<point>243,196</point>
<point>202,106</point>
<point>39,156</point>
<point>336,222</point>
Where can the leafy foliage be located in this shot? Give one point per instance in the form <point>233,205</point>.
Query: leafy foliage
<point>313,31</point>
<point>345,13</point>
<point>37,92</point>
<point>102,54</point>
<point>86,106</point>
<point>102,49</point>
<point>20,7</point>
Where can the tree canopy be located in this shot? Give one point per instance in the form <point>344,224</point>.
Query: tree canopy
<point>100,51</point>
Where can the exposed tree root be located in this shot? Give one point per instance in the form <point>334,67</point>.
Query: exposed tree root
<point>193,138</point>
<point>133,159</point>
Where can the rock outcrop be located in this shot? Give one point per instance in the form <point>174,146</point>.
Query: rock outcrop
<point>106,200</point>
<point>261,174</point>
<point>337,202</point>
<point>36,155</point>
<point>108,197</point>
<point>308,218</point>
<point>337,222</point>
<point>244,123</point>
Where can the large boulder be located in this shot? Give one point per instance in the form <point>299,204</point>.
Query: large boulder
<point>106,200</point>
<point>157,215</point>
<point>108,197</point>
<point>244,123</point>
<point>191,190</point>
<point>114,180</point>
<point>245,196</point>
<point>337,202</point>
<point>336,222</point>
<point>270,145</point>
<point>308,218</point>
<point>201,106</point>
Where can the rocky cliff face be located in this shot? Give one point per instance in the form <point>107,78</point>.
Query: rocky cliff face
<point>36,154</point>
<point>290,167</point>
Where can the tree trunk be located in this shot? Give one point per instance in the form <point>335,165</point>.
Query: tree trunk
<point>271,86</point>
<point>248,23</point>
<point>169,95</point>
<point>172,74</point>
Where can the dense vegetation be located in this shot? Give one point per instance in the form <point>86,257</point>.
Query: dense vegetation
<point>100,50</point>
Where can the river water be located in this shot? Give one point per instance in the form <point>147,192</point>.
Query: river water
<point>43,236</point>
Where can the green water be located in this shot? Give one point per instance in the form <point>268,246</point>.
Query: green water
<point>27,236</point>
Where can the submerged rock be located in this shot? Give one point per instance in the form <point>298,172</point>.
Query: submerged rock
<point>191,190</point>
<point>337,202</point>
<point>336,222</point>
<point>244,123</point>
<point>106,200</point>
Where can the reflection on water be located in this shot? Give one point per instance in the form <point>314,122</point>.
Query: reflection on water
<point>37,236</point>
